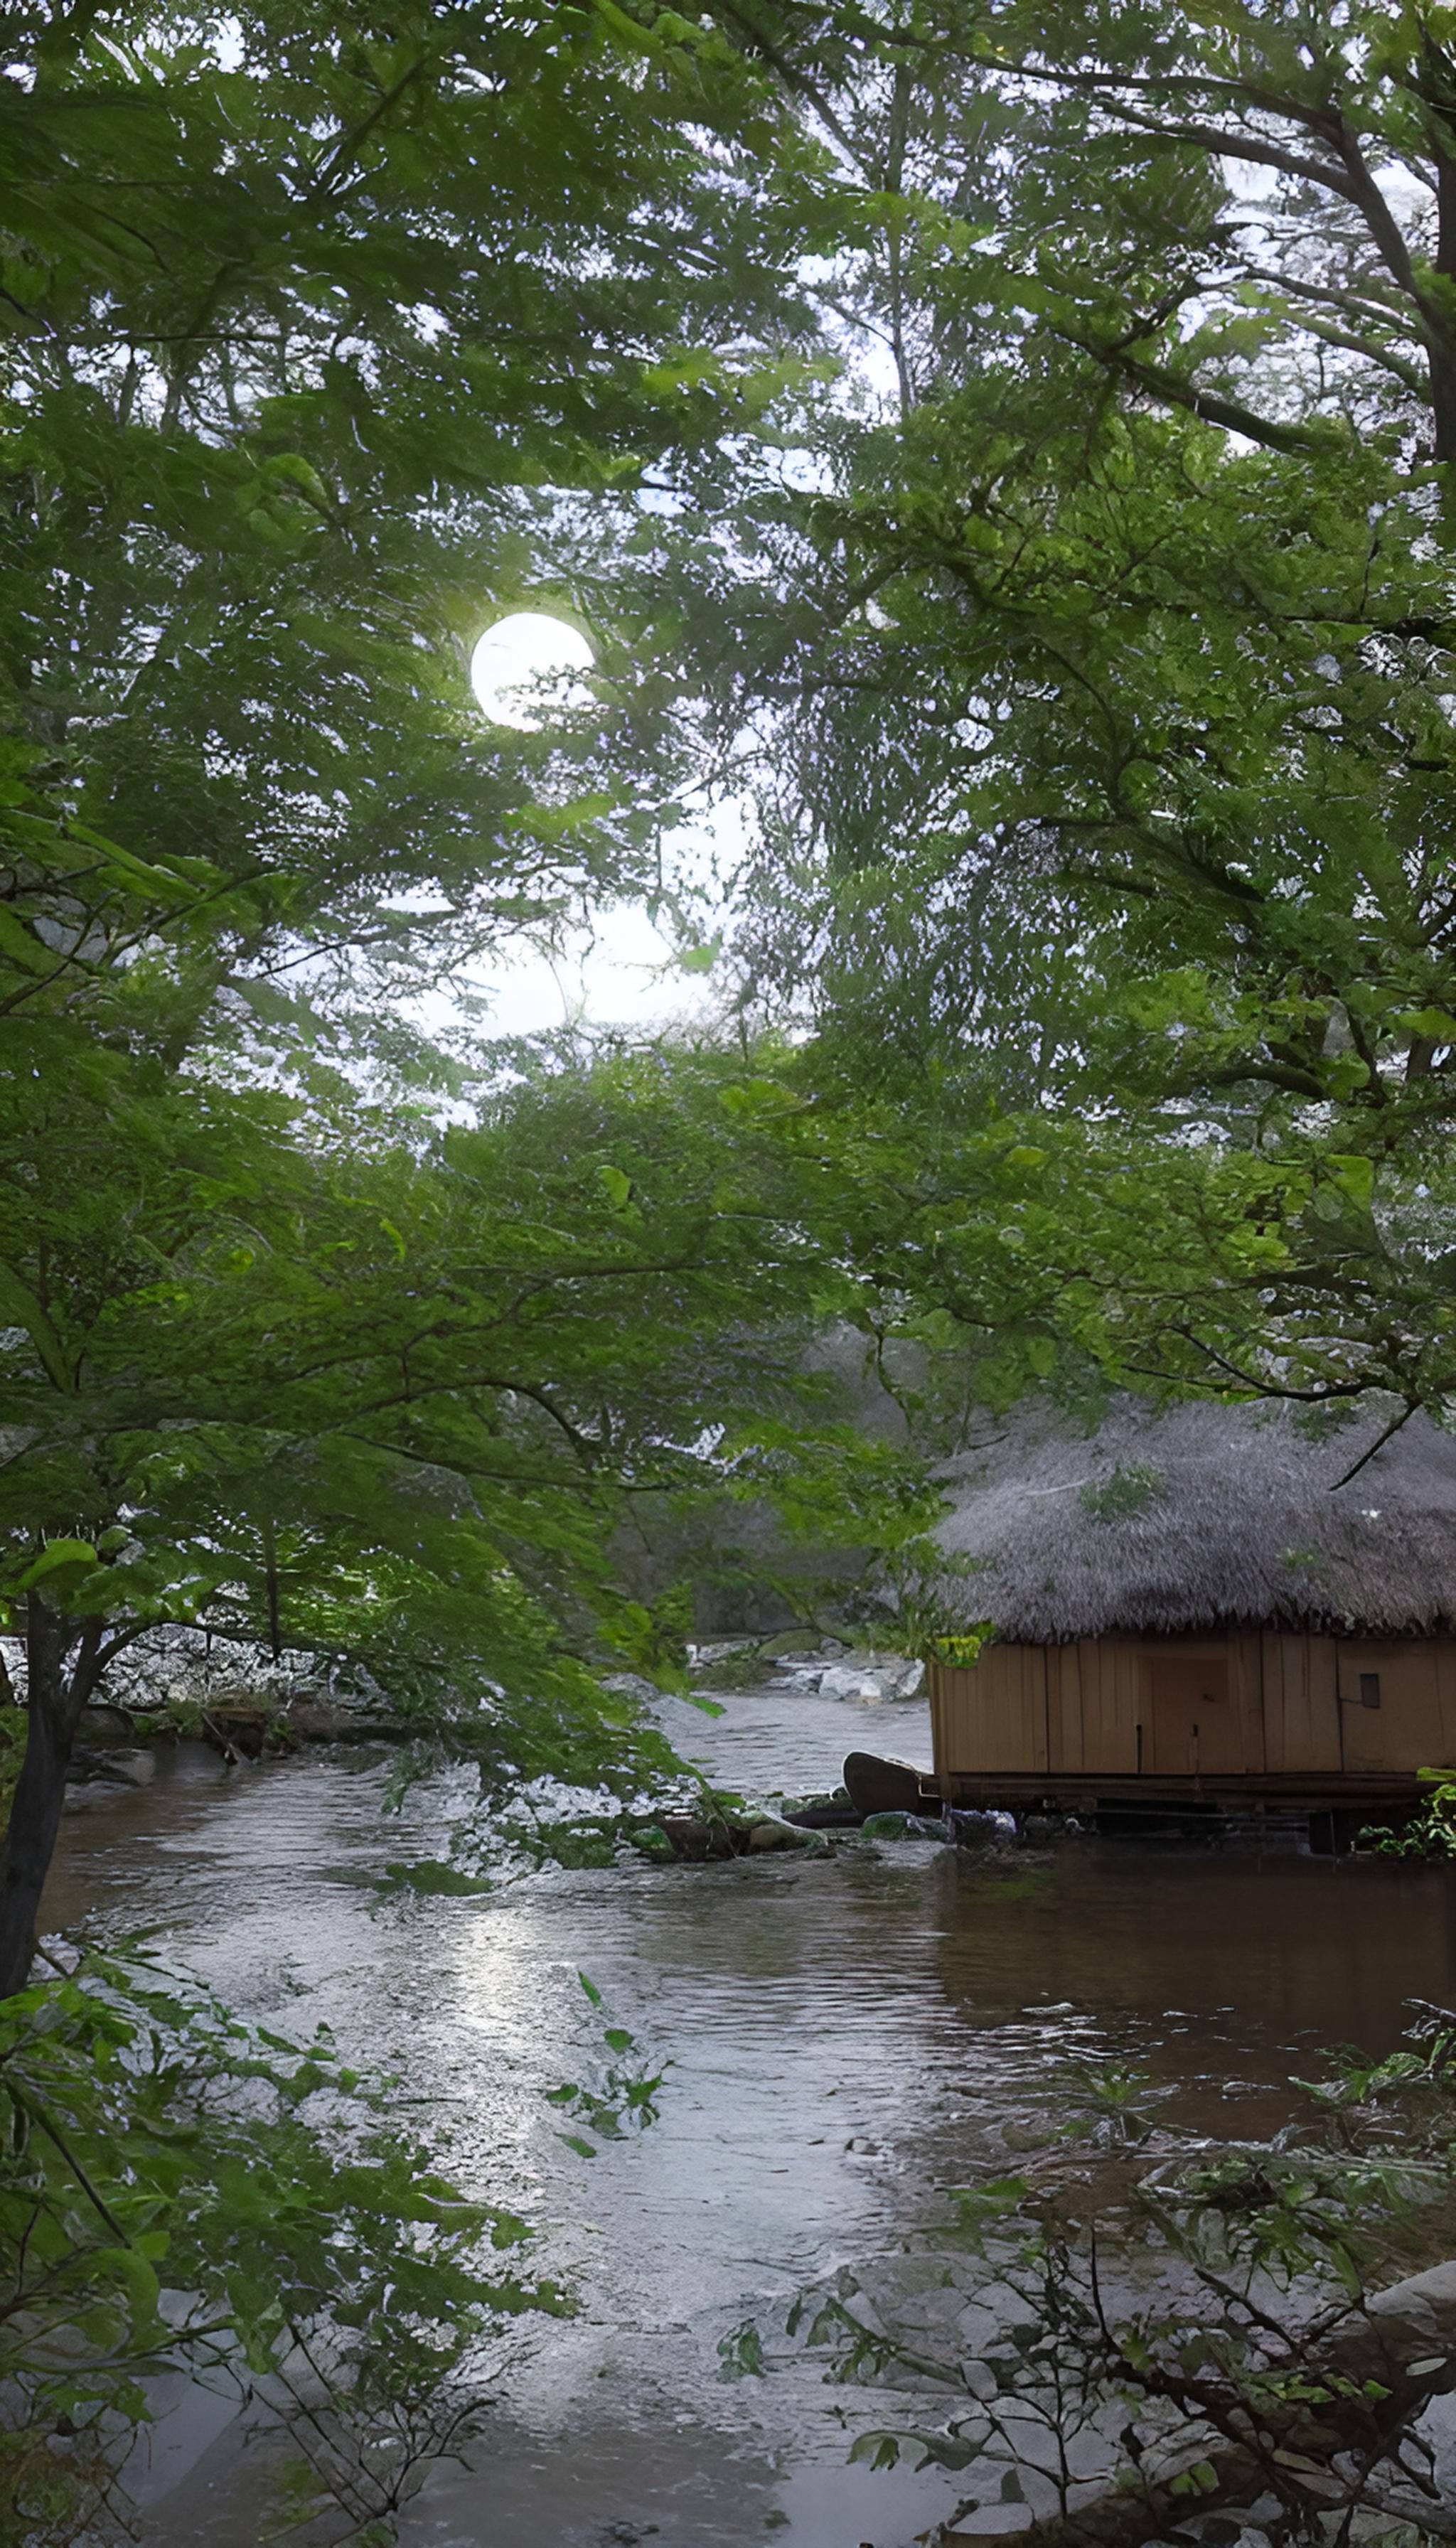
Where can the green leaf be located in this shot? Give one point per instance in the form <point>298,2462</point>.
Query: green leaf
<point>17,943</point>
<point>55,1558</point>
<point>1355,1176</point>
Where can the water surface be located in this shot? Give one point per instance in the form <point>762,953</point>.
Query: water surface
<point>846,2036</point>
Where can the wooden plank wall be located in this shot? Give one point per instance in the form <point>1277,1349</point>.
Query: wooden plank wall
<point>1095,1704</point>
<point>1246,1696</point>
<point>993,1715</point>
<point>1302,1711</point>
<point>1415,1725</point>
<point>1294,1704</point>
<point>1201,1705</point>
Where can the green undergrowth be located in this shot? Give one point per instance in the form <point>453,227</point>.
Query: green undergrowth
<point>618,2094</point>
<point>744,1668</point>
<point>1176,2323</point>
<point>182,2192</point>
<point>1431,1832</point>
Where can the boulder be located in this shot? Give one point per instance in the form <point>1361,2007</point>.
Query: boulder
<point>972,1830</point>
<point>849,1682</point>
<point>690,1837</point>
<point>776,1835</point>
<point>888,1826</point>
<point>653,1841</point>
<point>900,1825</point>
<point>105,1727</point>
<point>123,1768</point>
<point>134,1768</point>
<point>327,1722</point>
<point>905,1680</point>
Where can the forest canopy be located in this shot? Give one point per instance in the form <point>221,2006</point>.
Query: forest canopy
<point>1001,453</point>
<point>998,459</point>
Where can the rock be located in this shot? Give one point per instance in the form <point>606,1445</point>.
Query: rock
<point>689,1837</point>
<point>849,1682</point>
<point>134,1768</point>
<point>972,1830</point>
<point>901,1826</point>
<point>128,1768</point>
<point>907,1681</point>
<point>868,1683</point>
<point>764,1835</point>
<point>653,1841</point>
<point>333,1725</point>
<point>103,1727</point>
<point>1048,1831</point>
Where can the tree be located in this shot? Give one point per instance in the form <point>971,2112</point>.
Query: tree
<point>323,338</point>
<point>390,1396</point>
<point>326,338</point>
<point>1111,737</point>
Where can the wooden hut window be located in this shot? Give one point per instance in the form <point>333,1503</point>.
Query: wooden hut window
<point>1369,1690</point>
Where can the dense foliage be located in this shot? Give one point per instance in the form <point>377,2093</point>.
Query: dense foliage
<point>170,2202</point>
<point>323,340</point>
<point>396,1397</point>
<point>326,340</point>
<point>1182,2332</point>
<point>1009,447</point>
<point>1109,698</point>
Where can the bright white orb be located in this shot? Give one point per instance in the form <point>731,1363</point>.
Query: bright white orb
<point>528,646</point>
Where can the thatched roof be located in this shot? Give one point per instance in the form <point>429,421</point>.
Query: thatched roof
<point>1200,1517</point>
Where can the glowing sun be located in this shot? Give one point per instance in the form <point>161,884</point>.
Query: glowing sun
<point>526,647</point>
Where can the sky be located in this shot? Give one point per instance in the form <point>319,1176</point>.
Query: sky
<point>620,970</point>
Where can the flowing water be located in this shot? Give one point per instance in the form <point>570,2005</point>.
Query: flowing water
<point>846,2034</point>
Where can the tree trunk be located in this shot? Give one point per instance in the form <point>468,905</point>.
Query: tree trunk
<point>54,1705</point>
<point>1442,343</point>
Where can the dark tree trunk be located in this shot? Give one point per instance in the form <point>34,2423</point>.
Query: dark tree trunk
<point>57,1696</point>
<point>1442,343</point>
<point>270,1577</point>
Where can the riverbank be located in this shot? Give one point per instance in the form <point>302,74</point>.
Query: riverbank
<point>249,1710</point>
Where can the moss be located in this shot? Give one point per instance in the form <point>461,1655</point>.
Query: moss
<point>653,1841</point>
<point>432,1875</point>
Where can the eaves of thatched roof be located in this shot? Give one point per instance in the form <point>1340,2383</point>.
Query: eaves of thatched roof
<point>1200,1517</point>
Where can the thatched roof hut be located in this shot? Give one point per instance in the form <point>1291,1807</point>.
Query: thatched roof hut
<point>1211,1601</point>
<point>1204,1516</point>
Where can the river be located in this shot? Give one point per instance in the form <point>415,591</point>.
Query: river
<point>845,2034</point>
